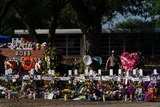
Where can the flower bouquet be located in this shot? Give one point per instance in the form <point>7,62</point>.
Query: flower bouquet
<point>66,93</point>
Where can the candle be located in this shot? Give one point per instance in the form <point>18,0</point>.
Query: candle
<point>99,72</point>
<point>91,72</point>
<point>9,71</point>
<point>111,72</point>
<point>86,72</point>
<point>52,72</point>
<point>119,71</point>
<point>39,77</point>
<point>69,72</point>
<point>134,71</point>
<point>32,71</point>
<point>119,79</point>
<point>141,72</point>
<point>6,72</point>
<point>75,72</point>
<point>126,81</point>
<point>49,71</point>
<point>155,71</point>
<point>127,73</point>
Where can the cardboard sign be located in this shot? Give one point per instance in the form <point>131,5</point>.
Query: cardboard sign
<point>50,96</point>
<point>20,44</point>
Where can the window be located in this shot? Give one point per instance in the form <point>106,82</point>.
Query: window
<point>69,45</point>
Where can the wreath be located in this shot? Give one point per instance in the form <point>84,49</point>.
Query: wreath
<point>12,64</point>
<point>28,63</point>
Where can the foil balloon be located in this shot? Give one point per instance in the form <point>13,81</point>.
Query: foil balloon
<point>129,61</point>
<point>87,59</point>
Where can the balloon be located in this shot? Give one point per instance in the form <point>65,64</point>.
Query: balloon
<point>98,59</point>
<point>129,60</point>
<point>87,59</point>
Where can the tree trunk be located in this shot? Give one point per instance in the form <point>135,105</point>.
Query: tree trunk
<point>52,30</point>
<point>89,17</point>
<point>5,8</point>
<point>91,41</point>
<point>54,8</point>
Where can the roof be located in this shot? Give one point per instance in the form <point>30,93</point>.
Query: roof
<point>46,31</point>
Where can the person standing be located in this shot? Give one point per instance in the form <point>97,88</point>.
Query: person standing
<point>113,62</point>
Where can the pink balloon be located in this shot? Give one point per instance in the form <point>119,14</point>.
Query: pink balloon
<point>129,60</point>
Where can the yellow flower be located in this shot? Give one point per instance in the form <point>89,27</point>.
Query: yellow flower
<point>66,91</point>
<point>88,83</point>
<point>57,74</point>
<point>138,85</point>
<point>45,86</point>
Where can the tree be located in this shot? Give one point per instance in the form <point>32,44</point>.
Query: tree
<point>90,14</point>
<point>29,12</point>
<point>53,7</point>
<point>67,18</point>
<point>4,7</point>
<point>39,14</point>
<point>135,24</point>
<point>153,10</point>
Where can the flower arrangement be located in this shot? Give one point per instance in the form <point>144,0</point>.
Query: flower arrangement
<point>79,65</point>
<point>51,58</point>
<point>66,91</point>
<point>15,88</point>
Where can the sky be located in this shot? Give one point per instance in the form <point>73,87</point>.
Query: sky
<point>119,18</point>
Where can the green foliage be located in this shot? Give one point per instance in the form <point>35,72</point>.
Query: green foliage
<point>54,56</point>
<point>152,7</point>
<point>33,10</point>
<point>67,18</point>
<point>79,65</point>
<point>135,24</point>
<point>157,23</point>
<point>6,31</point>
<point>112,7</point>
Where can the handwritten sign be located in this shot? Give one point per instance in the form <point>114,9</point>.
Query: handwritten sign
<point>23,53</point>
<point>20,44</point>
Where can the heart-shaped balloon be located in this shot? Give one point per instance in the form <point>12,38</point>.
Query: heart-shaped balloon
<point>129,61</point>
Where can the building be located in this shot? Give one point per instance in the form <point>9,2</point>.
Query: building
<point>69,41</point>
